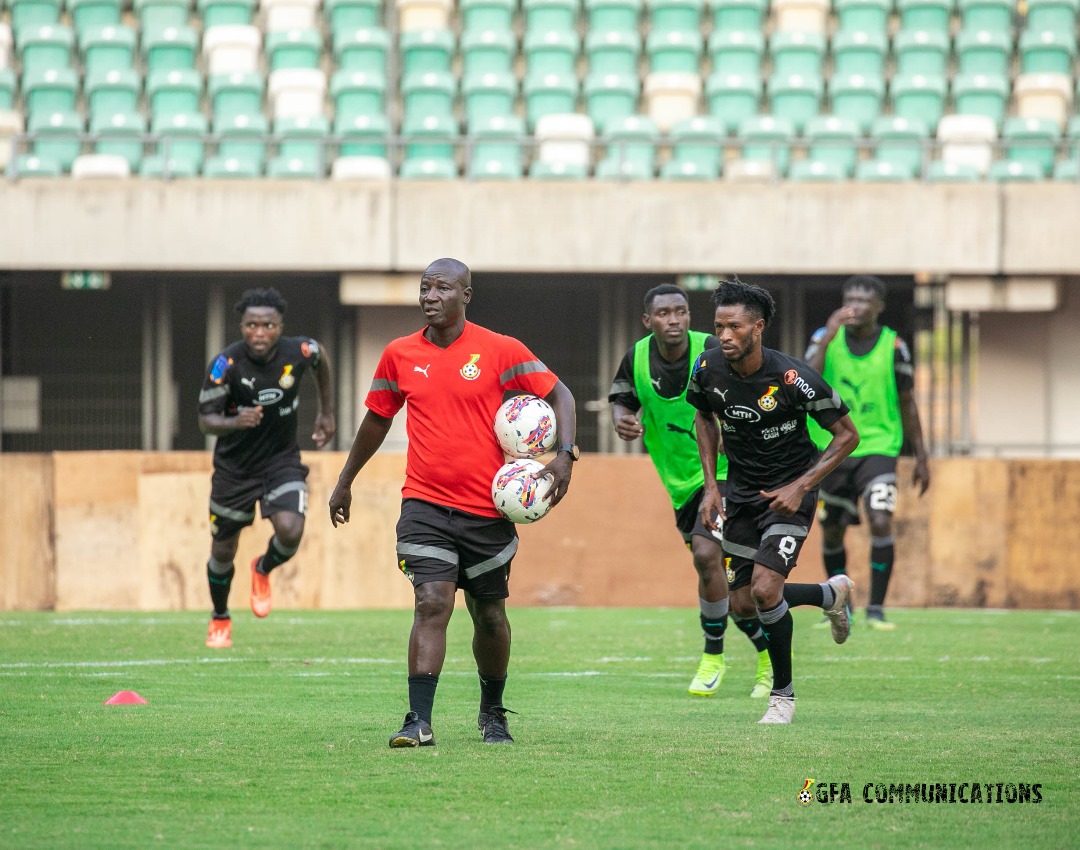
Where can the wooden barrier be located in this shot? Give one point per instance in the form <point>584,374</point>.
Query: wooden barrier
<point>129,531</point>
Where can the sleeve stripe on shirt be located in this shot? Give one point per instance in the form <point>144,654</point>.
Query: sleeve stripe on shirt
<point>522,369</point>
<point>905,369</point>
<point>383,384</point>
<point>212,393</point>
<point>825,403</point>
<point>620,387</point>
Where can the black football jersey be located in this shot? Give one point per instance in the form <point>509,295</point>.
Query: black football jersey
<point>233,380</point>
<point>763,417</point>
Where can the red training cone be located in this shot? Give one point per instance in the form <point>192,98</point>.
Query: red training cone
<point>125,698</point>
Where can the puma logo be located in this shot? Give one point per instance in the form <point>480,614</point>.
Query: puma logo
<point>723,395</point>
<point>853,386</point>
<point>655,383</point>
<point>249,383</point>
<point>422,371</point>
<point>675,429</point>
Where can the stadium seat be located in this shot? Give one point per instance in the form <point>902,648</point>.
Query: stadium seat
<point>733,97</point>
<point>301,143</point>
<point>550,52</point>
<point>630,145</point>
<point>43,47</point>
<point>361,135</point>
<point>551,15</point>
<point>1047,52</point>
<point>801,15</point>
<point>160,167</point>
<point>831,142</point>
<point>816,171</point>
<point>796,53</point>
<point>33,13</point>
<point>858,97</point>
<point>430,93</point>
<point>671,97</point>
<point>495,148</point>
<point>736,51</point>
<point>618,15</point>
<point>967,141</point>
<point>697,149</point>
<point>486,15</point>
<point>488,95</point>
<point>610,98</point>
<point>675,15</point>
<point>613,51</point>
<point>351,15</point>
<point>983,51</point>
<point>883,171</point>
<point>1013,171</point>
<point>749,171</point>
<point>1043,96</point>
<point>169,49</point>
<point>487,51</point>
<point>296,93</point>
<point>796,98</point>
<point>1032,140</point>
<point>423,14</point>
<point>563,147</point>
<point>674,50</point>
<point>242,138</point>
<point>429,148</point>
<point>924,14</point>
<point>981,94</point>
<point>362,49</point>
<point>94,13</point>
<point>8,87</point>
<point>181,140</point>
<point>295,48</point>
<point>289,14</point>
<point>1067,169</point>
<point>951,172</point>
<point>357,93</point>
<point>156,15</point>
<point>32,165</point>
<point>746,15</point>
<point>1072,133</point>
<point>232,48</point>
<point>767,138</point>
<point>549,94</point>
<point>860,52</point>
<point>1058,15</point>
<point>921,52</point>
<point>100,166</point>
<point>119,134</point>
<point>217,13</point>
<point>238,93</point>
<point>56,136</point>
<point>361,168</point>
<point>425,50</point>
<point>919,97</point>
<point>220,167</point>
<point>109,92</point>
<point>900,142</point>
<point>107,48</point>
<point>869,16</point>
<point>49,91</point>
<point>176,92</point>
<point>986,14</point>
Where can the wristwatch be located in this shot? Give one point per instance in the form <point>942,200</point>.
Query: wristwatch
<point>575,452</point>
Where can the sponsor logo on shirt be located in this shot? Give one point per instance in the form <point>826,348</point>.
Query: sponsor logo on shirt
<point>269,396</point>
<point>747,414</point>
<point>793,377</point>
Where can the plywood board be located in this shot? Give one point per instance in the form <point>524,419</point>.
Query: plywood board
<point>27,560</point>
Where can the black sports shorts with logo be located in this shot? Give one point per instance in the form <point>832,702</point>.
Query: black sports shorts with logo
<point>688,517</point>
<point>436,543</point>
<point>280,487</point>
<point>870,477</point>
<point>756,534</point>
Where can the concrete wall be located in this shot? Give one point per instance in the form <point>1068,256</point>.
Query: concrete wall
<point>540,226</point>
<point>128,531</point>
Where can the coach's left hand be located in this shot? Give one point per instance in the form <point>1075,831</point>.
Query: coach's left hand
<point>560,470</point>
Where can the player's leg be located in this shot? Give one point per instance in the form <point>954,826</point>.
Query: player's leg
<point>713,612</point>
<point>744,615</point>
<point>880,501</point>
<point>767,589</point>
<point>284,503</point>
<point>232,508</point>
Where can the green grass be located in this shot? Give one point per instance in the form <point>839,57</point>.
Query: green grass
<point>281,741</point>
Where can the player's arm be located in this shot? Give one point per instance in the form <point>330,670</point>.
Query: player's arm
<point>220,424</point>
<point>709,446</point>
<point>372,433</point>
<point>624,401</point>
<point>325,421</point>
<point>845,438</point>
<point>627,424</point>
<point>214,400</point>
<point>562,467</point>
<point>909,416</point>
<point>815,353</point>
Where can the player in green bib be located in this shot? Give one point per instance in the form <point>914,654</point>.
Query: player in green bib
<point>648,398</point>
<point>870,366</point>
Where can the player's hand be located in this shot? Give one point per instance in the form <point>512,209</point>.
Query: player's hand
<point>839,318</point>
<point>560,470</point>
<point>786,500</point>
<point>325,428</point>
<point>712,510</point>
<point>248,417</point>
<point>629,427</point>
<point>340,505</point>
<point>920,477</point>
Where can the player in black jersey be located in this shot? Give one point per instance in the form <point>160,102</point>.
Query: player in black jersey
<point>761,398</point>
<point>248,401</point>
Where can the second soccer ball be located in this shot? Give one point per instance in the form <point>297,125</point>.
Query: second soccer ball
<point>525,426</point>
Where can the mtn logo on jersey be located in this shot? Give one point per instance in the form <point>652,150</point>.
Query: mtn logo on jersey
<point>793,377</point>
<point>470,371</point>
<point>767,402</point>
<point>287,379</point>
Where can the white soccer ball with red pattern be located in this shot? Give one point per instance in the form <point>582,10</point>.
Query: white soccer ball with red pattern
<point>517,495</point>
<point>525,426</point>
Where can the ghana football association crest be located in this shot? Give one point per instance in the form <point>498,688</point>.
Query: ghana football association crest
<point>287,378</point>
<point>768,401</point>
<point>470,371</point>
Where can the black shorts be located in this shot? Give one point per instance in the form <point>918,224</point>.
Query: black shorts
<point>755,534</point>
<point>688,517</point>
<point>871,478</point>
<point>281,487</point>
<point>435,543</point>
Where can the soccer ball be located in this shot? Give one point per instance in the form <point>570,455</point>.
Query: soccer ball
<point>525,426</point>
<point>517,495</point>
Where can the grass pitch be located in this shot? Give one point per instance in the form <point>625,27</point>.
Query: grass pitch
<point>282,740</point>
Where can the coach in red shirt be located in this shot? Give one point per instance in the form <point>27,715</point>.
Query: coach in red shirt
<point>453,375</point>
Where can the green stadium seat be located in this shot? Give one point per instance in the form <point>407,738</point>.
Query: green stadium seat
<point>56,136</point>
<point>921,52</point>
<point>361,135</point>
<point>181,140</point>
<point>357,93</point>
<point>495,148</point>
<point>486,15</point>
<point>678,15</point>
<point>351,15</point>
<point>620,15</point>
<point>832,142</point>
<point>883,171</point>
<point>1013,171</point>
<point>987,14</point>
<point>430,93</point>
<point>767,138</point>
<point>951,172</point>
<point>1067,169</point>
<point>1032,140</point>
<point>160,167</point>
<point>860,52</point>
<point>1047,52</point>
<point>119,134</point>
<point>296,48</point>
<point>425,50</point>
<point>900,142</point>
<point>630,150</point>
<point>549,15</point>
<point>870,16</point>
<point>488,95</point>
<point>613,51</point>
<point>486,51</point>
<point>49,91</point>
<point>919,97</point>
<point>217,13</point>
<point>109,92</point>
<point>674,50</point>
<point>1072,133</point>
<point>429,148</point>
<point>172,48</point>
<point>362,49</point>
<point>107,48</point>
<point>8,87</point>
<point>746,15</point>
<point>549,94</point>
<point>33,13</point>
<point>610,98</point>
<point>175,92</point>
<point>94,13</point>
<point>237,93</point>
<point>816,171</point>
<point>796,98</point>
<point>697,149</point>
<point>859,97</point>
<point>220,167</point>
<point>242,138</point>
<point>1058,15</point>
<point>43,47</point>
<point>550,52</point>
<point>736,51</point>
<point>733,97</point>
<point>301,143</point>
<point>981,94</point>
<point>925,14</point>
<point>157,15</point>
<point>984,51</point>
<point>797,53</point>
<point>30,165</point>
